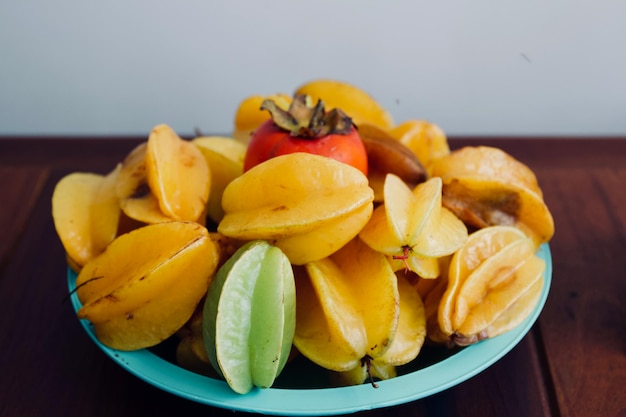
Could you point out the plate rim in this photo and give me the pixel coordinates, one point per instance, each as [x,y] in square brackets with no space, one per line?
[409,387]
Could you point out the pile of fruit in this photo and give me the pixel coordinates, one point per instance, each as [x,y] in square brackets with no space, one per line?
[319,229]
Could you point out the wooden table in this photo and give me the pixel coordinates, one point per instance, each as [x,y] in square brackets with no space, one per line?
[572,363]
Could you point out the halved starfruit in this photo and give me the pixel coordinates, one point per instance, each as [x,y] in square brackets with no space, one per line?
[147,283]
[494,282]
[485,186]
[307,205]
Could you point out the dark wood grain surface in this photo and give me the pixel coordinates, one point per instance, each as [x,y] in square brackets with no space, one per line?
[572,363]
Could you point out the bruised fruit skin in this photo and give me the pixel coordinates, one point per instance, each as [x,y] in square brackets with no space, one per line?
[485,186]
[426,140]
[386,155]
[306,128]
[249,317]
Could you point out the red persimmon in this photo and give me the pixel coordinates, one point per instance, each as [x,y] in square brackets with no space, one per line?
[306,128]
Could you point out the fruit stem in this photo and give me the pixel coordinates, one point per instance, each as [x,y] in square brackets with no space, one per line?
[367,362]
[406,251]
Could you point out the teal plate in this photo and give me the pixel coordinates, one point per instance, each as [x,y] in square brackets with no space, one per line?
[433,377]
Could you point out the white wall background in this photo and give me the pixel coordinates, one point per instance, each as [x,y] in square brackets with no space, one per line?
[482,67]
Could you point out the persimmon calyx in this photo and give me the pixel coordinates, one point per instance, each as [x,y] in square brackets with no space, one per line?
[308,121]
